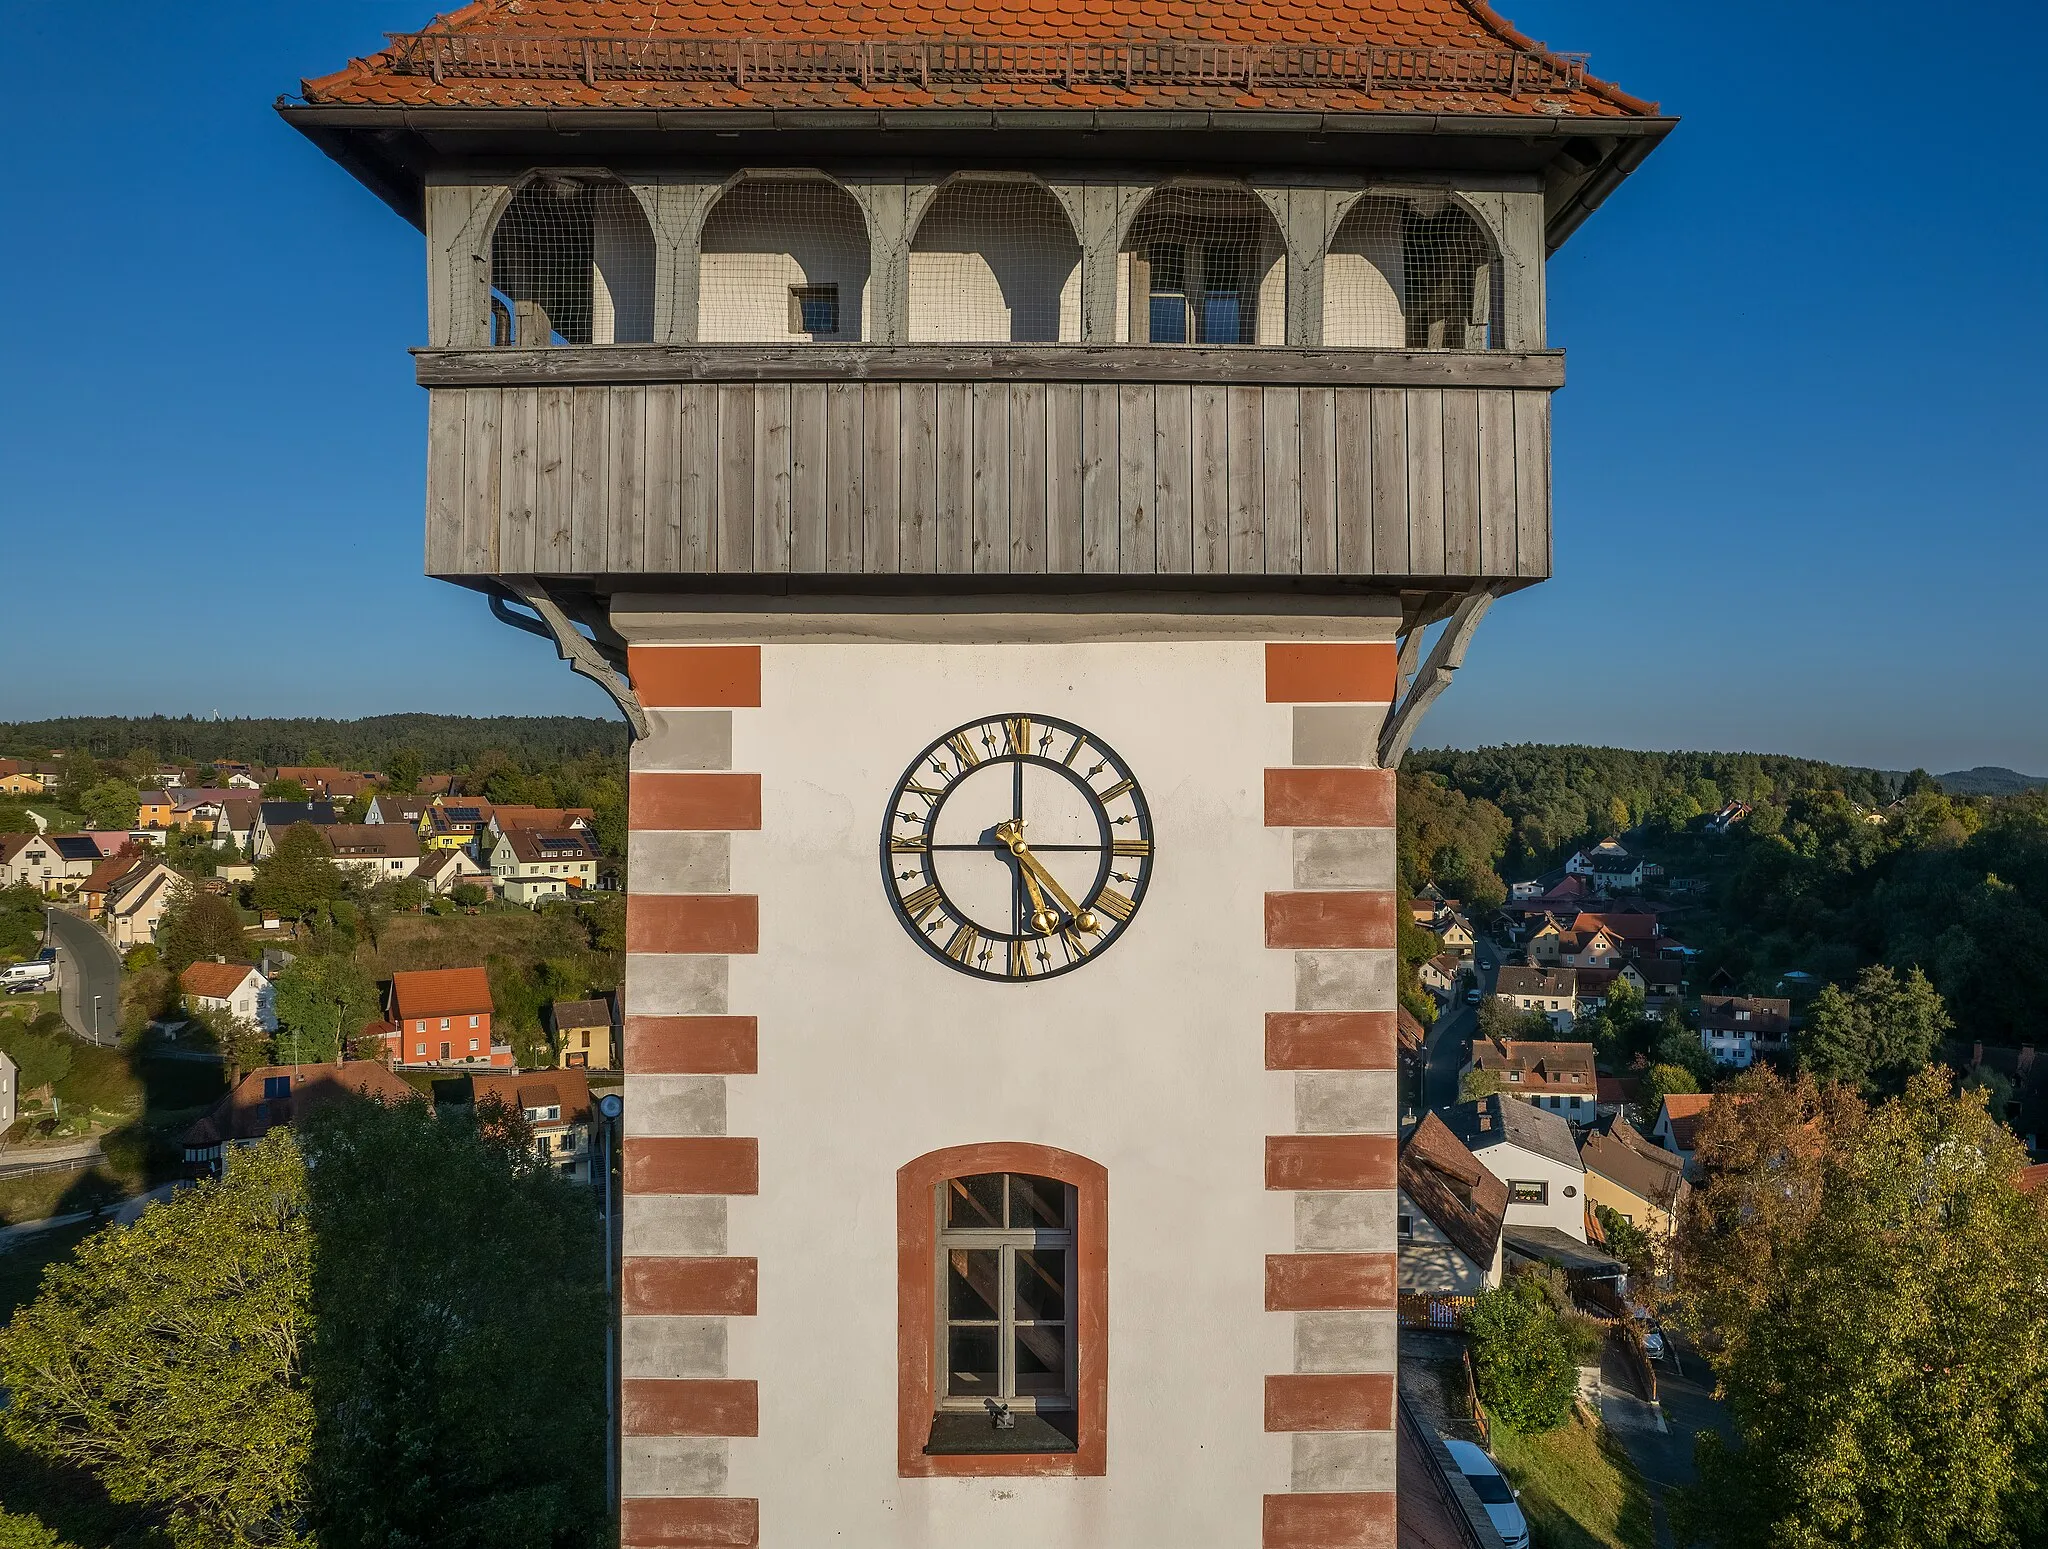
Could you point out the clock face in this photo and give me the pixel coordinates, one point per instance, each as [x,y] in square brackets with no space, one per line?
[1017,847]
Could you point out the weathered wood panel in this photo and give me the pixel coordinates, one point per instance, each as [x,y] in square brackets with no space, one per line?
[990,478]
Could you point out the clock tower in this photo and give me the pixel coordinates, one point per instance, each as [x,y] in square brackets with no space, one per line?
[1022,473]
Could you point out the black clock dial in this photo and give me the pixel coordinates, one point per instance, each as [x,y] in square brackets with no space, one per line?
[1017,847]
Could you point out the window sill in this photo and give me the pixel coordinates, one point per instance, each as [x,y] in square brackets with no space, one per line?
[972,1435]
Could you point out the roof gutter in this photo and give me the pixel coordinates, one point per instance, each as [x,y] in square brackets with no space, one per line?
[1631,154]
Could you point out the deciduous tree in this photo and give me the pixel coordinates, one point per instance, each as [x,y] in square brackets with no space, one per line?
[300,876]
[166,1357]
[1868,1282]
[322,1001]
[110,804]
[1876,1034]
[1521,1357]
[197,928]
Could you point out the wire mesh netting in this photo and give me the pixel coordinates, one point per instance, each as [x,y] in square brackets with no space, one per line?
[1202,266]
[572,262]
[995,261]
[1414,272]
[783,260]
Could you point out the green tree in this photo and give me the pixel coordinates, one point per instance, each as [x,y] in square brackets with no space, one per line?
[110,804]
[24,1532]
[285,790]
[197,928]
[1521,1358]
[402,771]
[242,1044]
[1874,1035]
[448,1251]
[322,1002]
[1630,1243]
[1475,1085]
[165,1358]
[1870,1279]
[300,878]
[1660,1081]
[40,1058]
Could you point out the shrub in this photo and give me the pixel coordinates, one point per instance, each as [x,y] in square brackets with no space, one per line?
[1521,1357]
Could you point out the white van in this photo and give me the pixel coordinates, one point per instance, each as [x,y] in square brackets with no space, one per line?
[20,975]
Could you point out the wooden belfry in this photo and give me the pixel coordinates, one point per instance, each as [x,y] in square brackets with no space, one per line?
[1003,463]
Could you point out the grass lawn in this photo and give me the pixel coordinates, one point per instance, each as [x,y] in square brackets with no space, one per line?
[22,1261]
[1579,1490]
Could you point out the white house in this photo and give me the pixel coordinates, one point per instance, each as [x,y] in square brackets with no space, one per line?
[1552,991]
[530,867]
[136,903]
[1451,1210]
[236,989]
[9,1084]
[377,852]
[1531,1150]
[445,870]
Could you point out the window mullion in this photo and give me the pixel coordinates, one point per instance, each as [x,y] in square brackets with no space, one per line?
[1006,1324]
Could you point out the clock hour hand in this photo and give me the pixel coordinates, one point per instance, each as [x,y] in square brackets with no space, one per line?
[1012,835]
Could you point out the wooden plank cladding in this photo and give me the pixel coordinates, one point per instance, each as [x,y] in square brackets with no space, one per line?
[1158,478]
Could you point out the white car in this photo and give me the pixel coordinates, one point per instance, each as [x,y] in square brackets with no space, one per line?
[1494,1492]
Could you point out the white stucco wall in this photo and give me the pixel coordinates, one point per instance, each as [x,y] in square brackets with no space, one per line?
[1432,1264]
[1364,283]
[1567,1212]
[1148,1061]
[766,235]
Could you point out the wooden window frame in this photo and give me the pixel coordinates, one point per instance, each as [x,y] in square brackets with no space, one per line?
[917,1312]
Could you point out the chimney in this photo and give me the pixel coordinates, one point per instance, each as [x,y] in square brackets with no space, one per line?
[219,957]
[1976,1055]
[2026,1062]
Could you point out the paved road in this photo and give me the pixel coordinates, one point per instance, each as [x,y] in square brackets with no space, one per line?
[1450,1039]
[89,975]
[1659,1437]
[17,1158]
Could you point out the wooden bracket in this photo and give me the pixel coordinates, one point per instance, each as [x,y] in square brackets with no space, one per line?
[1424,685]
[591,658]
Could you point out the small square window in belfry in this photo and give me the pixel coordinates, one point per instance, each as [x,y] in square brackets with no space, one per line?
[814,309]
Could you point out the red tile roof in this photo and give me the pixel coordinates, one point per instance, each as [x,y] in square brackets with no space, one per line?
[440,992]
[1444,56]
[216,981]
[247,1114]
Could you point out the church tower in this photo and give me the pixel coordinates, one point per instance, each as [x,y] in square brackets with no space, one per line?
[1022,470]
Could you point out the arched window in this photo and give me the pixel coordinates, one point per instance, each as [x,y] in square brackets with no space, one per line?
[995,261]
[572,262]
[1003,1314]
[1415,272]
[782,261]
[1202,266]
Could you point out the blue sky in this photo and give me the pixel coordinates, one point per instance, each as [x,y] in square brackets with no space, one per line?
[1799,463]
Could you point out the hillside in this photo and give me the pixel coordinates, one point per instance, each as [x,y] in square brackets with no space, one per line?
[1989,780]
[440,741]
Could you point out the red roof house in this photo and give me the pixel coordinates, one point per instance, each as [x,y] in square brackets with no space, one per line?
[442,1016]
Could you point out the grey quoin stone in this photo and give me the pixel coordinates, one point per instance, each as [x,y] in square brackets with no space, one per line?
[1338,734]
[674,1226]
[1344,1221]
[670,1349]
[1344,981]
[685,739]
[1346,1102]
[675,984]
[675,1105]
[1326,858]
[664,860]
[1345,1341]
[1343,1460]
[672,1465]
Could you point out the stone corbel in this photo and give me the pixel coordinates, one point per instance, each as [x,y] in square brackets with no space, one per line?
[1434,676]
[601,660]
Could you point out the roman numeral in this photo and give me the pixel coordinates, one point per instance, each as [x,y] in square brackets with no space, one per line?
[963,750]
[1020,960]
[1017,731]
[921,903]
[1131,847]
[1074,752]
[1115,905]
[1077,944]
[909,844]
[964,941]
[923,790]
[1117,790]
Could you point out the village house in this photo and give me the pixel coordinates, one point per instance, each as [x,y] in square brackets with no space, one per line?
[542,820]
[1735,1029]
[231,989]
[1678,1123]
[1622,1095]
[380,852]
[1555,1076]
[1440,974]
[1552,991]
[281,1094]
[1663,981]
[1451,1212]
[327,783]
[1585,863]
[1641,1182]
[236,824]
[197,808]
[1595,948]
[583,1034]
[1594,984]
[274,818]
[530,868]
[445,870]
[19,779]
[1456,932]
[157,810]
[27,860]
[442,1016]
[454,825]
[387,808]
[137,901]
[1544,937]
[1533,1153]
[556,1106]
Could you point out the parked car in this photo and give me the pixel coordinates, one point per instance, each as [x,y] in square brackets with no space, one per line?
[1653,1343]
[22,975]
[1472,996]
[1493,1490]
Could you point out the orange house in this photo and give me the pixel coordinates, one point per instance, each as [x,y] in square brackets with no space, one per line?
[442,1016]
[158,809]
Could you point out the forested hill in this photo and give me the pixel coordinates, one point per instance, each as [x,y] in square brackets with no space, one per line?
[439,741]
[1835,869]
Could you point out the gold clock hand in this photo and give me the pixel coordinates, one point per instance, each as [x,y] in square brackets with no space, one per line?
[1010,833]
[1043,920]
